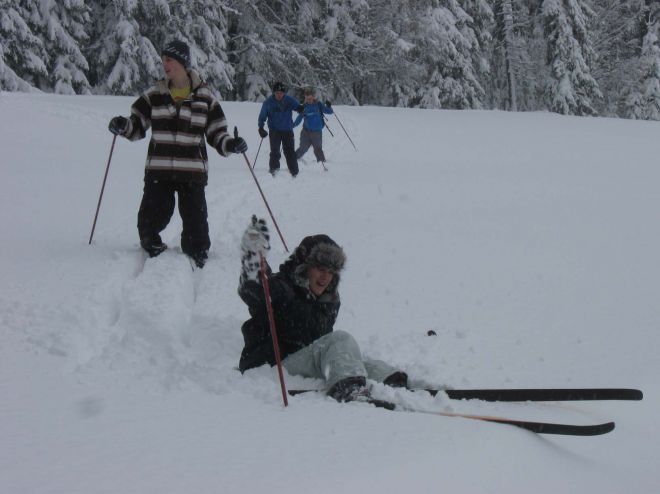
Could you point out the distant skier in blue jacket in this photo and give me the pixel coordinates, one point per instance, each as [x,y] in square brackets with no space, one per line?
[312,131]
[277,110]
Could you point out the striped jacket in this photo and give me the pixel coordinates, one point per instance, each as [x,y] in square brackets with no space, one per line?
[177,149]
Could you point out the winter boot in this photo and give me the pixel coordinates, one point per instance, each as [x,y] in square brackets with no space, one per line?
[350,389]
[397,380]
[199,258]
[154,248]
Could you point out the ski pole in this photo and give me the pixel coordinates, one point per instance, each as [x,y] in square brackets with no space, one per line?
[342,126]
[254,163]
[98,206]
[273,329]
[325,120]
[247,161]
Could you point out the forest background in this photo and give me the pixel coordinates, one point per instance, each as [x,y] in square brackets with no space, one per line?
[576,57]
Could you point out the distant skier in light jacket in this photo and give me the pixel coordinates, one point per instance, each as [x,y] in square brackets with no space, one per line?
[305,300]
[277,111]
[313,124]
[183,115]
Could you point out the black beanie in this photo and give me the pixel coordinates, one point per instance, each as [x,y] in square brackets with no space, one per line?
[179,51]
[279,86]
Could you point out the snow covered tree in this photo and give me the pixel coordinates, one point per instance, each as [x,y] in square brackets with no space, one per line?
[617,40]
[61,25]
[204,25]
[126,61]
[445,42]
[572,90]
[260,48]
[24,61]
[644,103]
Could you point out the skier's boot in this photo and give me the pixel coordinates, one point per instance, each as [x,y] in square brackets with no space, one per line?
[397,380]
[154,248]
[350,389]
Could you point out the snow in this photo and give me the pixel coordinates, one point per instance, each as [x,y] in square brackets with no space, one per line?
[527,241]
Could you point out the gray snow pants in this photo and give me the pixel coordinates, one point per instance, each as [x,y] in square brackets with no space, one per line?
[334,357]
[314,139]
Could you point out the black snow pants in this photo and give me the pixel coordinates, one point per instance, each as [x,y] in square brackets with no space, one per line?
[157,208]
[283,138]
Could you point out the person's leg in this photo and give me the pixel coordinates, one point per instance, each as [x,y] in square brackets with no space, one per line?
[288,147]
[155,212]
[316,139]
[195,239]
[275,138]
[333,357]
[304,143]
[383,372]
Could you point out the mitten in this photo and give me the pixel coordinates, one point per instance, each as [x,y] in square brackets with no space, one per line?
[255,243]
[118,125]
[237,145]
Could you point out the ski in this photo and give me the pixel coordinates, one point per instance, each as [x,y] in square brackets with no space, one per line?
[539,427]
[528,394]
[536,427]
[543,394]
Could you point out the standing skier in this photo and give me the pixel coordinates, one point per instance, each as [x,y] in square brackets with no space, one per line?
[183,115]
[305,303]
[312,131]
[277,110]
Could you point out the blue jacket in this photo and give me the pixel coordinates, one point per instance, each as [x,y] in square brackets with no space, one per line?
[278,113]
[313,116]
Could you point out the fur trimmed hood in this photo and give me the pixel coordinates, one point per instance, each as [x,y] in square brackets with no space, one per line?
[315,250]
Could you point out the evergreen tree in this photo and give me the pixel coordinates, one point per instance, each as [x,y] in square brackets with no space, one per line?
[126,61]
[446,43]
[644,103]
[23,57]
[259,48]
[204,25]
[572,90]
[62,28]
[617,40]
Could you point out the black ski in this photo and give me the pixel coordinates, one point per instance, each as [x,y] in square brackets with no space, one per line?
[548,394]
[537,427]
[530,394]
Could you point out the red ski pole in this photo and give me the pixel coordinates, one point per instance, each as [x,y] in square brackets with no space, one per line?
[98,206]
[273,330]
[247,161]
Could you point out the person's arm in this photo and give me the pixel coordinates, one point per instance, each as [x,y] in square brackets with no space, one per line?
[263,114]
[254,244]
[140,120]
[298,119]
[216,128]
[327,108]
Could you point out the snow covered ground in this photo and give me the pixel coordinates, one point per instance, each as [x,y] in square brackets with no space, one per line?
[528,242]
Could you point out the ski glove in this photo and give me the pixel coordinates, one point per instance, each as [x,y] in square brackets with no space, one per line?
[300,108]
[328,104]
[118,125]
[255,242]
[237,145]
[262,132]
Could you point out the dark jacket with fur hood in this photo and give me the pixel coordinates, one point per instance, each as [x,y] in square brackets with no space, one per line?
[300,316]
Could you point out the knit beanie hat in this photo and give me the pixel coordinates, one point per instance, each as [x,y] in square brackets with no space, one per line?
[179,51]
[279,86]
